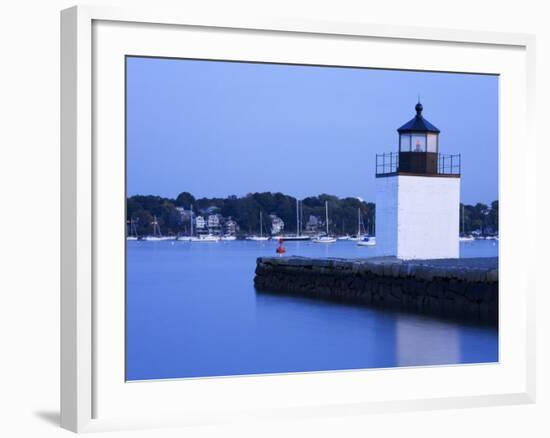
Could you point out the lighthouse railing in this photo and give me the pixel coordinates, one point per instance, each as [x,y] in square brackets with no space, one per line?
[449,164]
[387,164]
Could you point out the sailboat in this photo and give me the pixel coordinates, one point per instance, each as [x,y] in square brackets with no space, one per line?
[298,237]
[206,238]
[358,236]
[367,241]
[363,240]
[328,238]
[157,235]
[345,236]
[463,236]
[133,230]
[261,237]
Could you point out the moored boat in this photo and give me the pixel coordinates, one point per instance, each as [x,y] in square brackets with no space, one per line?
[367,241]
[358,237]
[327,238]
[324,239]
[206,238]
[158,238]
[133,230]
[261,237]
[300,238]
[157,235]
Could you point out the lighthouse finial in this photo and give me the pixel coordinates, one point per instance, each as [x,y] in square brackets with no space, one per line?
[419,108]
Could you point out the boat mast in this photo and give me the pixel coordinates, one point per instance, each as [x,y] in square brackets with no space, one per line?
[133,228]
[261,231]
[358,221]
[191,220]
[297,218]
[326,214]
[301,216]
[156,228]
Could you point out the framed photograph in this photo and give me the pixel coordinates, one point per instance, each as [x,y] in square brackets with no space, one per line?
[267,218]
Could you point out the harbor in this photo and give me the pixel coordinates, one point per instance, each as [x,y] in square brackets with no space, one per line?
[189,295]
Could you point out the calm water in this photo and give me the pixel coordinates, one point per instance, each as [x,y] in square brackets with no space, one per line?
[192,311]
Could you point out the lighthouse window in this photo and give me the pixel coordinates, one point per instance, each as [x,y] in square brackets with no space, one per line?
[432,143]
[405,143]
[418,143]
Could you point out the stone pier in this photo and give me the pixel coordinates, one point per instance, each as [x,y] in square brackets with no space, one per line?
[465,289]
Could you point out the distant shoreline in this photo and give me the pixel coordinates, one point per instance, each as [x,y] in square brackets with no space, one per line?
[270,213]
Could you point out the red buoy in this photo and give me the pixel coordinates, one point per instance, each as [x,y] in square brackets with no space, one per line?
[280,249]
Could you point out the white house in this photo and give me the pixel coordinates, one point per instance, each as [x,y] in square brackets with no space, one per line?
[312,225]
[200,223]
[277,224]
[213,221]
[418,196]
[231,227]
[185,215]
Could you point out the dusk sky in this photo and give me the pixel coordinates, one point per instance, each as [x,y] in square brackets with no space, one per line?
[222,128]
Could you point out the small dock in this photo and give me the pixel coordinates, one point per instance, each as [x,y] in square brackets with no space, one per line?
[464,289]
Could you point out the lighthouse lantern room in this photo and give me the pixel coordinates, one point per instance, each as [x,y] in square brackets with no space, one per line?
[418,195]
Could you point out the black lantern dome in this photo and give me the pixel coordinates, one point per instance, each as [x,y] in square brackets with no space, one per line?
[418,145]
[418,123]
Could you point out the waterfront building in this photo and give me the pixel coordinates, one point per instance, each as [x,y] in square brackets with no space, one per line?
[231,227]
[418,195]
[277,224]
[185,215]
[213,221]
[312,224]
[200,223]
[214,224]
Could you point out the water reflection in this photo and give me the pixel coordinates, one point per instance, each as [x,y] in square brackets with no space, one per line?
[192,311]
[423,341]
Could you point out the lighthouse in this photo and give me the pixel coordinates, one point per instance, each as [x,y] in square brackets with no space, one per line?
[418,195]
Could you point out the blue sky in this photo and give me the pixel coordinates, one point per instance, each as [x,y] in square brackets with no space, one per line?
[222,128]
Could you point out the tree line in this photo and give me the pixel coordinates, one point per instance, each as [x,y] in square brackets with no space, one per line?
[480,218]
[246,210]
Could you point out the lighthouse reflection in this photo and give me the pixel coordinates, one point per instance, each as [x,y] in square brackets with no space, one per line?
[304,334]
[423,341]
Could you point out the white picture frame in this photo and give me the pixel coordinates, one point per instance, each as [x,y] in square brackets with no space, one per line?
[91,383]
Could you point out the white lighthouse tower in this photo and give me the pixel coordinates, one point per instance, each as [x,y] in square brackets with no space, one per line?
[418,196]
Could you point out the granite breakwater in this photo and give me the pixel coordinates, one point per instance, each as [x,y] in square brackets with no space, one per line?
[465,289]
